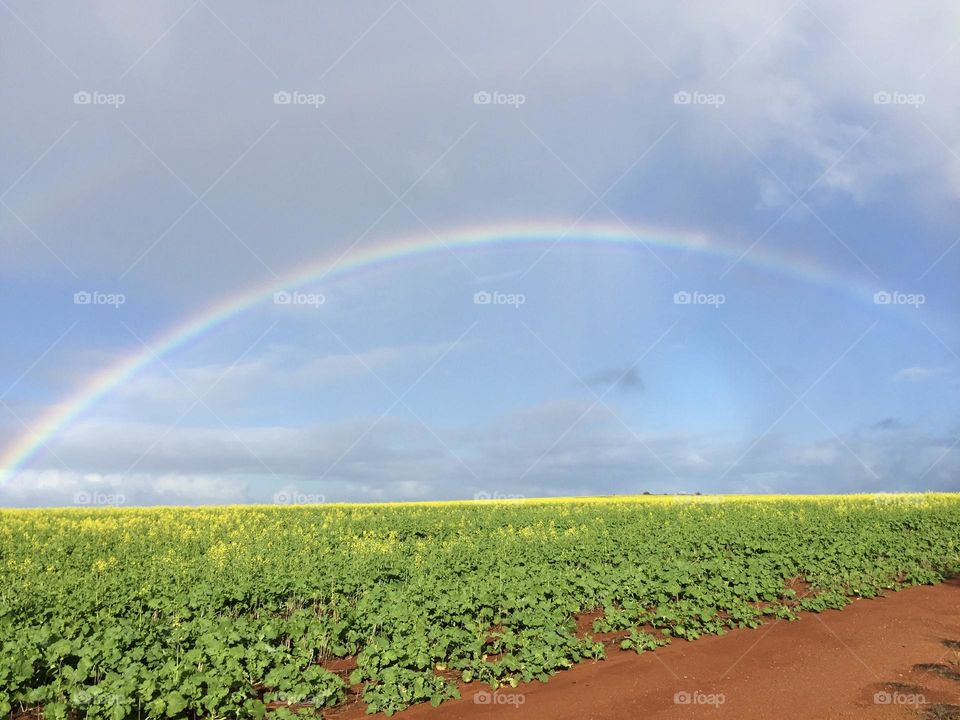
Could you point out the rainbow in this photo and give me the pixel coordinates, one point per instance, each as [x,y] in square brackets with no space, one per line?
[543,234]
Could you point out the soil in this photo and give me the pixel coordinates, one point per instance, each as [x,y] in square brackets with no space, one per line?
[895,656]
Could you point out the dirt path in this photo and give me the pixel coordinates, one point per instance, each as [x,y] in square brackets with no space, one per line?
[855,663]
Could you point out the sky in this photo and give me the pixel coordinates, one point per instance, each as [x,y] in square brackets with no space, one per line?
[405,250]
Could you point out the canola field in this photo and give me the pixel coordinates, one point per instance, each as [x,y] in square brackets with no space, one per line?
[252,611]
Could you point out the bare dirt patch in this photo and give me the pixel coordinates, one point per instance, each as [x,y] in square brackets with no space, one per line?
[826,666]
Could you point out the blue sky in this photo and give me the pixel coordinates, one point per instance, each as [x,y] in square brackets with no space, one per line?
[779,162]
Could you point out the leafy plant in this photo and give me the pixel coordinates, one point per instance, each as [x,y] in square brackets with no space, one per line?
[254,611]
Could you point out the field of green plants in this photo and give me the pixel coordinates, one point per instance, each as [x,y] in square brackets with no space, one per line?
[247,611]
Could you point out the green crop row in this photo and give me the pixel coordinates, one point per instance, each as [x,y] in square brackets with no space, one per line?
[243,612]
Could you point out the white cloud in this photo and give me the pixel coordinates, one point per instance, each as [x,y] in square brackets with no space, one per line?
[282,368]
[551,449]
[66,487]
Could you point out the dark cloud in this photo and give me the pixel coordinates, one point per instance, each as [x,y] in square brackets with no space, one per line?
[624,379]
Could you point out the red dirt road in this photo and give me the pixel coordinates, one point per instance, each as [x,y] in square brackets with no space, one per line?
[854,663]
